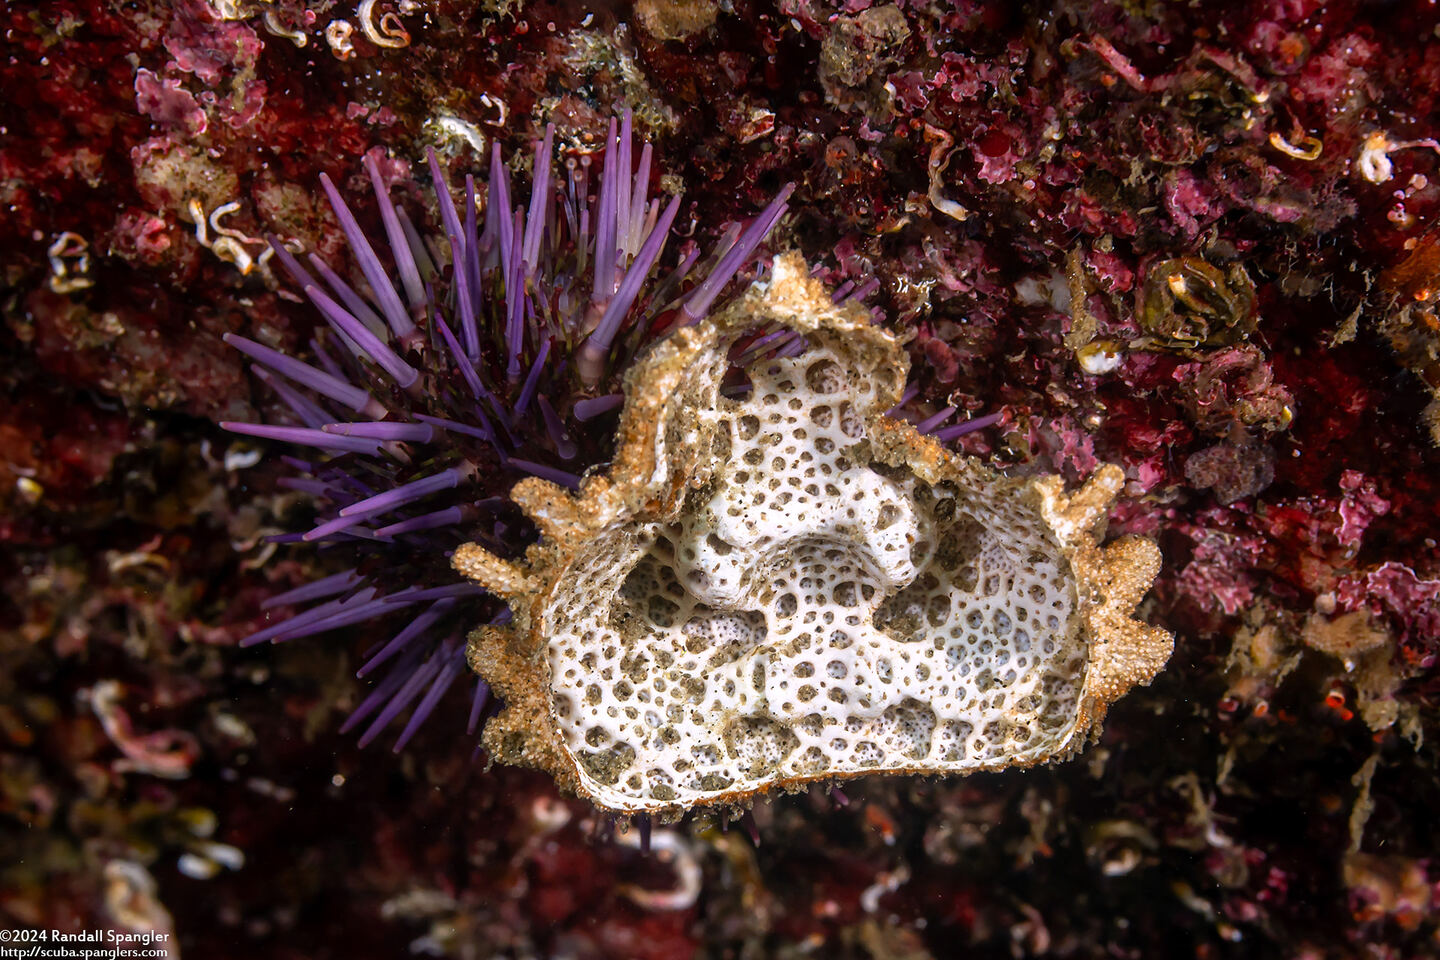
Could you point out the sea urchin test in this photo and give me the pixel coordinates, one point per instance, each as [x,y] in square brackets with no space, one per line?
[776,584]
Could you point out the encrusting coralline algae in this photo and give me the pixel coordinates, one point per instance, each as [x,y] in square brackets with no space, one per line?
[776,584]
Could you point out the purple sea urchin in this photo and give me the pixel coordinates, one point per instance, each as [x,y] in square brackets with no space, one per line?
[499,343]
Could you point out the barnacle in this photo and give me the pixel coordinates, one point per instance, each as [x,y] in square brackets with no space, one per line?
[776,584]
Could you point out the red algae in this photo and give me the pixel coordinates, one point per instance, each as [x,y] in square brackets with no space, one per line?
[1010,178]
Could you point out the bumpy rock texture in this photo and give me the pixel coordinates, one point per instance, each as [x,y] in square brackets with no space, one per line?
[788,586]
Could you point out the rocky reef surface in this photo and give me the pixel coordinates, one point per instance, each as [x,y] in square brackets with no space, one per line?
[1197,241]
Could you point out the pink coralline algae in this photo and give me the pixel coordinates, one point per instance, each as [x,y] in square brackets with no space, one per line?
[168,104]
[1196,241]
